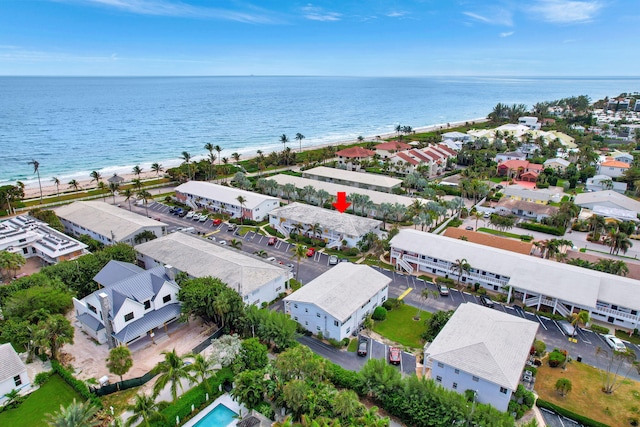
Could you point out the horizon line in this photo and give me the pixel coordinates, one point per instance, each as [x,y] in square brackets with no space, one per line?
[327,75]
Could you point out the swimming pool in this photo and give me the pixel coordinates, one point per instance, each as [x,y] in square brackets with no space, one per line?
[220,416]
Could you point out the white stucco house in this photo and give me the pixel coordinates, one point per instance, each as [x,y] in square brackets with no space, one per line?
[106,223]
[335,227]
[134,301]
[336,302]
[510,155]
[13,372]
[612,168]
[224,199]
[487,358]
[254,278]
[604,182]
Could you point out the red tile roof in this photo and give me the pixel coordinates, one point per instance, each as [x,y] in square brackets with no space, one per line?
[408,159]
[447,149]
[514,164]
[392,145]
[615,164]
[355,152]
[420,155]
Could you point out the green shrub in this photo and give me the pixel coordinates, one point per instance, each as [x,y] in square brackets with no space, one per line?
[388,305]
[534,226]
[587,422]
[556,358]
[533,370]
[335,343]
[526,237]
[444,281]
[342,378]
[599,329]
[392,303]
[42,378]
[380,313]
[265,409]
[76,384]
[427,279]
[539,347]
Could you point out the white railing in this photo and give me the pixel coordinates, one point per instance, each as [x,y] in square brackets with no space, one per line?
[405,265]
[560,308]
[617,313]
[531,301]
[333,244]
[487,279]
[281,229]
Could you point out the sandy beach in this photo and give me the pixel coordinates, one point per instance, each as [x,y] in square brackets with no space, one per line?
[32,190]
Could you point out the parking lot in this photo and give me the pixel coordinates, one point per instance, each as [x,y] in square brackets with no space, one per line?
[549,331]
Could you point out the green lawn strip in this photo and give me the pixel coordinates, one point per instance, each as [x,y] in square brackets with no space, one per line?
[353,345]
[499,233]
[120,399]
[245,229]
[609,253]
[624,335]
[399,326]
[46,400]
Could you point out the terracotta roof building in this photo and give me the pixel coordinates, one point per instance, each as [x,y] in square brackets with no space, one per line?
[490,240]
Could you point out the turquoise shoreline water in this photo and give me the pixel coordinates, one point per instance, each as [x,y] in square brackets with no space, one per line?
[75,125]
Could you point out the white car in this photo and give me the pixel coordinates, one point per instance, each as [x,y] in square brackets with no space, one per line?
[189,215]
[204,217]
[615,343]
[333,260]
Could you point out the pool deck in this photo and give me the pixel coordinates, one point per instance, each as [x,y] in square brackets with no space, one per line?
[227,401]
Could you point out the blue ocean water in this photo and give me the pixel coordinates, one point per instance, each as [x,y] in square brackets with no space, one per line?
[73,125]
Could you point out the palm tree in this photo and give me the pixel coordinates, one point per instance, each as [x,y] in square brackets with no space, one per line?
[187,159]
[242,200]
[56,181]
[146,408]
[113,188]
[580,318]
[236,244]
[95,176]
[299,252]
[261,253]
[235,157]
[210,148]
[74,415]
[218,150]
[460,267]
[137,184]
[137,170]
[157,168]
[119,361]
[12,398]
[284,139]
[36,169]
[146,196]
[74,184]
[102,187]
[203,368]
[128,194]
[172,371]
[299,138]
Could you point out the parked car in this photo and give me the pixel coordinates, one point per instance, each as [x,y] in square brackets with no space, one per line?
[444,290]
[487,215]
[232,227]
[171,210]
[190,215]
[204,217]
[344,260]
[177,211]
[272,241]
[567,328]
[290,266]
[615,343]
[394,355]
[333,260]
[469,227]
[311,252]
[195,217]
[363,347]
[217,221]
[222,242]
[271,259]
[486,301]
[183,213]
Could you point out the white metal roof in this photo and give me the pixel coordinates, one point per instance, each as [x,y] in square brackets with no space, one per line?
[342,290]
[607,197]
[554,279]
[223,194]
[343,223]
[358,177]
[200,257]
[495,348]
[106,219]
[377,197]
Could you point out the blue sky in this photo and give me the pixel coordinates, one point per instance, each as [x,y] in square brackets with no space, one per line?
[341,37]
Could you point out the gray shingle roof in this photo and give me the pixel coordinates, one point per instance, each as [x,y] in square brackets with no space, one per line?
[342,290]
[495,348]
[10,363]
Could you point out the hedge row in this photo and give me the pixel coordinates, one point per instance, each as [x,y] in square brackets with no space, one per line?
[196,397]
[587,422]
[76,384]
[534,226]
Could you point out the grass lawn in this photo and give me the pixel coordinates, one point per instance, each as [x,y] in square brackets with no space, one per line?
[400,327]
[498,233]
[119,400]
[624,335]
[353,345]
[46,400]
[586,398]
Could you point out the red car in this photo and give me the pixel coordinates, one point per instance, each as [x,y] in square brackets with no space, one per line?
[311,252]
[217,221]
[394,355]
[272,241]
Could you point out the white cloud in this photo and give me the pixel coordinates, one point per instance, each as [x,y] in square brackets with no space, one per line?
[494,16]
[567,11]
[180,9]
[510,33]
[396,14]
[315,13]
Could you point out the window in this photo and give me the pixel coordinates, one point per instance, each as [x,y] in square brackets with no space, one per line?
[25,251]
[503,390]
[295,318]
[278,288]
[384,298]
[440,365]
[128,316]
[306,323]
[317,314]
[92,308]
[295,305]
[306,310]
[457,371]
[166,298]
[336,323]
[318,328]
[476,379]
[455,386]
[439,379]
[348,330]
[17,380]
[147,305]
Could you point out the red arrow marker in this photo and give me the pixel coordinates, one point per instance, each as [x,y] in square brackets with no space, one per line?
[341,203]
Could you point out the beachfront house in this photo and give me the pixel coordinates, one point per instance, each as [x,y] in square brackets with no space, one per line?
[13,373]
[530,121]
[254,278]
[352,157]
[224,199]
[336,302]
[499,340]
[509,155]
[30,237]
[107,223]
[530,280]
[131,304]
[334,228]
[387,149]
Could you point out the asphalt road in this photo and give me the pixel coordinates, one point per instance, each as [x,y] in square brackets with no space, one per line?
[310,268]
